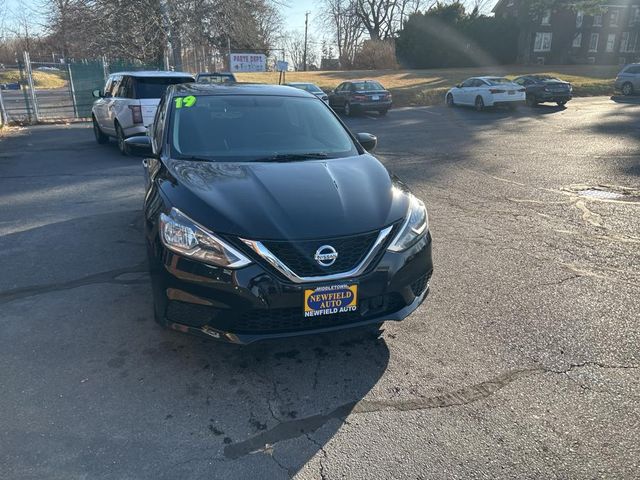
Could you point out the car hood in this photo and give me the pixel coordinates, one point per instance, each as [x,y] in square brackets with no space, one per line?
[287,200]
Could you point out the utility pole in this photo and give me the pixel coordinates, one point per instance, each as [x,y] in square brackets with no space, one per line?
[306,28]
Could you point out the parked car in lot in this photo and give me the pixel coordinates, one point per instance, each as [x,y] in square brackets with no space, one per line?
[628,80]
[216,77]
[311,88]
[128,103]
[266,217]
[482,92]
[358,96]
[10,86]
[545,88]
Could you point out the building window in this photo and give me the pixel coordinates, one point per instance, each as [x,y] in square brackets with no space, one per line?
[624,41]
[593,43]
[577,40]
[597,20]
[546,18]
[614,17]
[611,41]
[543,42]
[579,19]
[635,16]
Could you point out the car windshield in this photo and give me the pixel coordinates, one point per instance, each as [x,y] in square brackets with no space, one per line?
[367,86]
[154,87]
[309,87]
[544,77]
[217,78]
[256,127]
[497,81]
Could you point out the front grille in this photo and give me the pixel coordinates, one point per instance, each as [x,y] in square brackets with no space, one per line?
[298,255]
[282,320]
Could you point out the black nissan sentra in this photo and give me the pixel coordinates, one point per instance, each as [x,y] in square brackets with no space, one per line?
[265,217]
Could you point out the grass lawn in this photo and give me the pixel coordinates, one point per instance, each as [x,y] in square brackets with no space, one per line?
[41,79]
[427,87]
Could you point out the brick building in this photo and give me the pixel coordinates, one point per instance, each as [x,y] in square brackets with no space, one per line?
[566,36]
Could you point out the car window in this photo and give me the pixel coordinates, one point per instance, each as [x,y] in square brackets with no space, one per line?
[126,88]
[154,87]
[468,83]
[341,87]
[519,81]
[107,87]
[249,128]
[115,85]
[367,86]
[497,81]
[633,70]
[216,79]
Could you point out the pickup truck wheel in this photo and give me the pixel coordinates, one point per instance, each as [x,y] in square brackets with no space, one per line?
[101,138]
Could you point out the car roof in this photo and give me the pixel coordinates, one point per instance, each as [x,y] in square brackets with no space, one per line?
[154,73]
[205,74]
[238,89]
[300,83]
[489,77]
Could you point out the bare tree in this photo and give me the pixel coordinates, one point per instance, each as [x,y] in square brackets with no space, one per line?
[341,18]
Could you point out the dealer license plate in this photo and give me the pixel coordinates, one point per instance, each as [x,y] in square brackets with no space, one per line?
[330,300]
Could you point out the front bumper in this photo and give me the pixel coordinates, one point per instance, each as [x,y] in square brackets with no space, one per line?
[554,97]
[132,131]
[256,303]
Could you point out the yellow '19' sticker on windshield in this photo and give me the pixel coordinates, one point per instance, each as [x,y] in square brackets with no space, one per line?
[188,101]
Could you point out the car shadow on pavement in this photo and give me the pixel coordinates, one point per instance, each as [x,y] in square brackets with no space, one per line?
[111,393]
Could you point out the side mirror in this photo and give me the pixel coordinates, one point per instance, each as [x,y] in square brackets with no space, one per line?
[97,94]
[140,144]
[368,141]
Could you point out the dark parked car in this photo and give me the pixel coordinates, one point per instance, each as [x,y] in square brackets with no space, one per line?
[266,217]
[216,77]
[545,88]
[360,96]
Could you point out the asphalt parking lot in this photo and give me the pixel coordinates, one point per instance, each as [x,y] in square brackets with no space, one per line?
[523,362]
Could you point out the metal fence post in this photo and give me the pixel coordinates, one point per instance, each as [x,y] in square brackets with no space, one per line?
[4,119]
[23,87]
[72,91]
[27,61]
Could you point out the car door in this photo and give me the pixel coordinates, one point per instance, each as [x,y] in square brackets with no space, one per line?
[464,92]
[111,103]
[100,105]
[334,97]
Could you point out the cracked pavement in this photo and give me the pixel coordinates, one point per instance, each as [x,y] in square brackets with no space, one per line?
[523,362]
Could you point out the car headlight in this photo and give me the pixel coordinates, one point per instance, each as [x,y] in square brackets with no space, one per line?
[182,235]
[414,227]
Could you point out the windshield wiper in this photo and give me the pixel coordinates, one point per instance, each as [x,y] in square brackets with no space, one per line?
[195,158]
[290,157]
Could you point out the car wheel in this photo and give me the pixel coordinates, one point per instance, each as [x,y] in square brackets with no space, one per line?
[120,136]
[627,89]
[450,101]
[347,109]
[531,101]
[479,103]
[101,138]
[383,112]
[561,104]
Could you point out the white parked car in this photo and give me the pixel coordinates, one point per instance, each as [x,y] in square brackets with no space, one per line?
[482,92]
[128,103]
[311,88]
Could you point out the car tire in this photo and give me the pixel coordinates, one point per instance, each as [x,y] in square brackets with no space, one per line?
[347,109]
[627,89]
[450,101]
[101,138]
[479,103]
[124,150]
[531,101]
[561,104]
